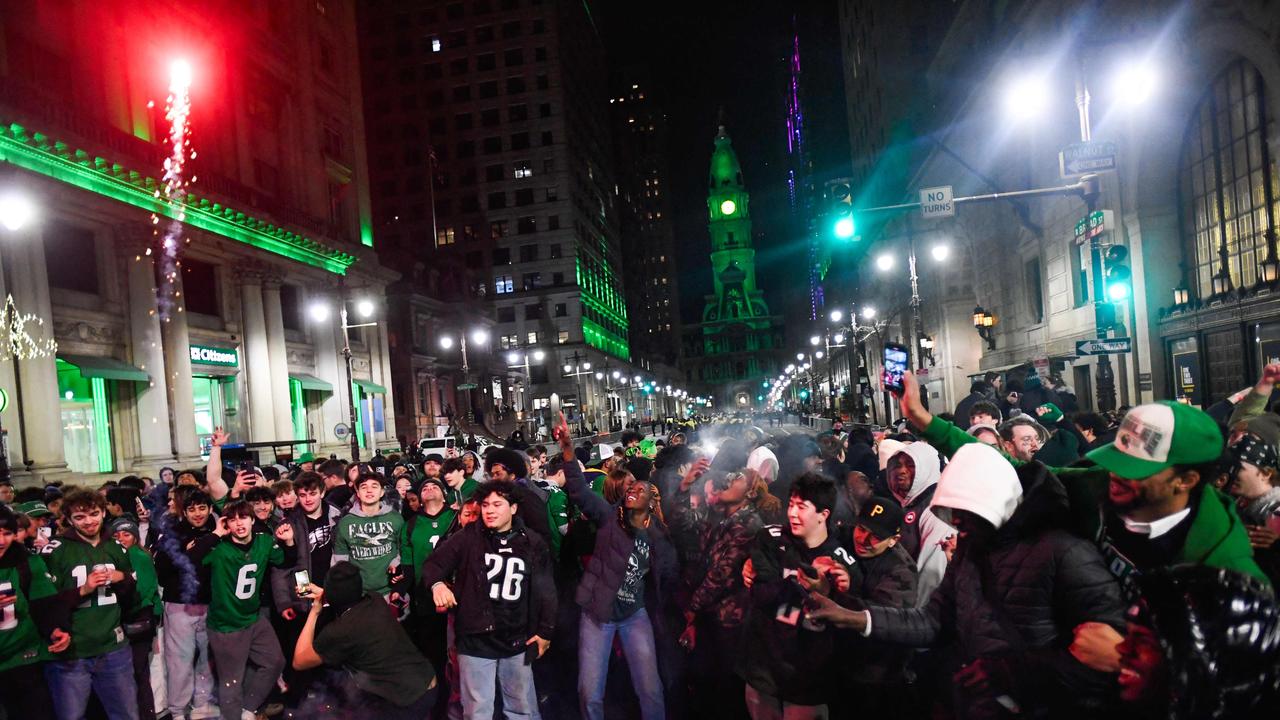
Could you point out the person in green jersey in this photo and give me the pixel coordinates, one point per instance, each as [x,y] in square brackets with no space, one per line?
[369,537]
[141,640]
[23,644]
[423,531]
[245,650]
[94,578]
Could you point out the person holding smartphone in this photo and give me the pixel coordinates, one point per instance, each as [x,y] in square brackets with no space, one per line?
[94,579]
[24,642]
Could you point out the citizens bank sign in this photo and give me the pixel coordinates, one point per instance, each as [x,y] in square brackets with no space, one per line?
[205,355]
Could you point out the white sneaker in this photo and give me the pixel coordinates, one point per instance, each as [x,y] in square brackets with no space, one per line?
[248,715]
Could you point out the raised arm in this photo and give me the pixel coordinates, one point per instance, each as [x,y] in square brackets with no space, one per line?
[1255,402]
[213,471]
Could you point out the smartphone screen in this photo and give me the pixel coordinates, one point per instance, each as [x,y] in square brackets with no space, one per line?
[895,366]
[302,581]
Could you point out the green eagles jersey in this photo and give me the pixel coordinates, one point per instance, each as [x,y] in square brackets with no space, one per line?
[557,514]
[235,577]
[96,622]
[419,539]
[20,641]
[372,543]
[148,584]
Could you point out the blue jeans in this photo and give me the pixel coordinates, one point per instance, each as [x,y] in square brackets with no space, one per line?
[476,677]
[110,675]
[595,641]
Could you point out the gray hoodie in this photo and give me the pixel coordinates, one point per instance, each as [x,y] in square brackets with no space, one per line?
[915,503]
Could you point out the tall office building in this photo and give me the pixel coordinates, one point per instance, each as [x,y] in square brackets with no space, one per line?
[492,165]
[648,234]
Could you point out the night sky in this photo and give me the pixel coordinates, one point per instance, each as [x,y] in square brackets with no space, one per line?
[709,54]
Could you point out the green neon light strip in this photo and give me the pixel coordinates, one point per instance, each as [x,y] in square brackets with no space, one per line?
[101,425]
[35,152]
[599,337]
[299,414]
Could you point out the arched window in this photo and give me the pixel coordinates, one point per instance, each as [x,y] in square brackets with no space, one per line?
[1227,179]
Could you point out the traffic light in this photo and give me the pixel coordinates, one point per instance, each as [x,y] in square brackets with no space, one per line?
[631,407]
[1119,277]
[842,211]
[804,394]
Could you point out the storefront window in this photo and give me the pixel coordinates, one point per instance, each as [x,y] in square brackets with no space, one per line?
[1186,370]
[215,406]
[86,426]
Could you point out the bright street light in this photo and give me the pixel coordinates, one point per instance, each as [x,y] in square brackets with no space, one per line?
[1026,96]
[839,338]
[617,374]
[538,355]
[799,356]
[479,336]
[446,342]
[868,312]
[818,354]
[1135,82]
[16,211]
[586,366]
[815,340]
[568,368]
[364,306]
[319,311]
[884,262]
[940,252]
[836,316]
[513,358]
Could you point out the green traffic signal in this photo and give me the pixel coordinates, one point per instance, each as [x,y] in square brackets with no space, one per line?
[804,394]
[844,228]
[1119,276]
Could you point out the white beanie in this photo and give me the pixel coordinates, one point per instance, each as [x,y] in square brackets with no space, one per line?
[978,479]
[887,448]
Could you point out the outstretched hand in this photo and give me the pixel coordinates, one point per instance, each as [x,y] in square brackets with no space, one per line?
[910,404]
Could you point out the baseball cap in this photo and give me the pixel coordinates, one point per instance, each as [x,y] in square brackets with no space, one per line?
[883,517]
[435,458]
[125,524]
[33,509]
[1159,435]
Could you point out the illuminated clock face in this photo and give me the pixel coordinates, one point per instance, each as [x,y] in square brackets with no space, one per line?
[728,207]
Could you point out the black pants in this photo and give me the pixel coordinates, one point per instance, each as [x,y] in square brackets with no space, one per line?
[23,693]
[717,691]
[141,649]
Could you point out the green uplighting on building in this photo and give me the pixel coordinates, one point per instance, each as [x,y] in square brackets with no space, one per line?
[37,153]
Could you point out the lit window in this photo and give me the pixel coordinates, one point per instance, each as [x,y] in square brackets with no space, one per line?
[523,169]
[532,338]
[444,237]
[502,284]
[435,44]
[562,337]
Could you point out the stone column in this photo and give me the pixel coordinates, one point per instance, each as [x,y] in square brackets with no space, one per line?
[177,374]
[383,365]
[257,358]
[10,419]
[278,360]
[37,377]
[152,404]
[324,335]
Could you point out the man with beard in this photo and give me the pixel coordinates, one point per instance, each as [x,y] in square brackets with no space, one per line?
[1143,500]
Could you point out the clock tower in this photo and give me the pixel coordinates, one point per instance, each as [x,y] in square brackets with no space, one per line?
[738,345]
[733,259]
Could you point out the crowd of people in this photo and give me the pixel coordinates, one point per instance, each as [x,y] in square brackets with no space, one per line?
[1009,559]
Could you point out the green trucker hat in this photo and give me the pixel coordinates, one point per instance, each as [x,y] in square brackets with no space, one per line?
[1159,435]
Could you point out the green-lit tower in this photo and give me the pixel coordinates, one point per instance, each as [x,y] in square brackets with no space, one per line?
[738,343]
[733,259]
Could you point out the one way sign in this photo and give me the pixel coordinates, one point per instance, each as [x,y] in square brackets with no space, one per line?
[1104,347]
[1086,157]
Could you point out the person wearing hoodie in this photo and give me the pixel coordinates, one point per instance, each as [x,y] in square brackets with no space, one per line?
[1035,393]
[1017,588]
[497,573]
[1202,643]
[912,476]
[507,465]
[1143,500]
[1065,444]
[979,391]
[369,536]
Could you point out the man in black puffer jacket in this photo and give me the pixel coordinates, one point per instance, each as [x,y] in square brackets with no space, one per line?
[1013,594]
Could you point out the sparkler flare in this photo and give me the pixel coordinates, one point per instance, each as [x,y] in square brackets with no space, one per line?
[174,191]
[17,342]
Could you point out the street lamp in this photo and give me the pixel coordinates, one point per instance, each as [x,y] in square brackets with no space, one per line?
[16,210]
[319,312]
[1027,96]
[479,336]
[884,262]
[837,316]
[516,361]
[1136,81]
[940,252]
[868,312]
[576,368]
[815,340]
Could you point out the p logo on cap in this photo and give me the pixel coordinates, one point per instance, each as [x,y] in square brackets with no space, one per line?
[877,509]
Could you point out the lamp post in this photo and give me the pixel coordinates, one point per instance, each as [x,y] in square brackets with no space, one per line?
[16,210]
[885,262]
[364,308]
[576,367]
[479,336]
[516,361]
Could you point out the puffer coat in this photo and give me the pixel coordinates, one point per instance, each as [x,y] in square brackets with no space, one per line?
[1015,602]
